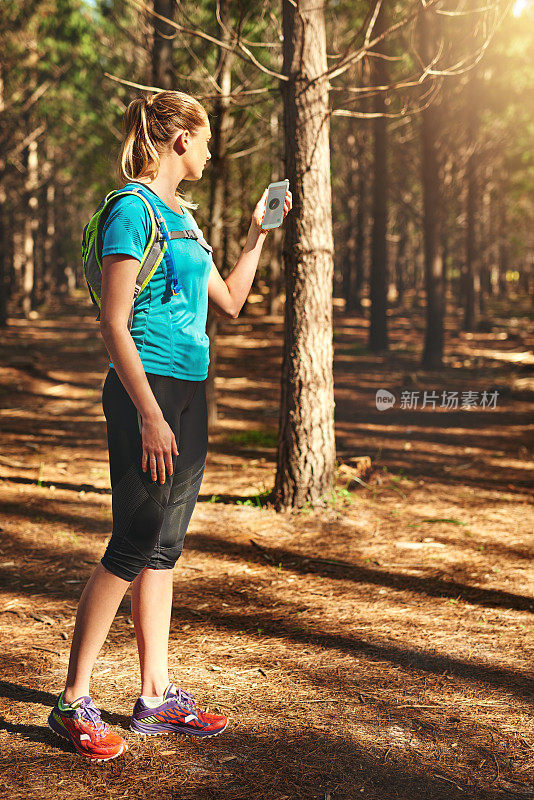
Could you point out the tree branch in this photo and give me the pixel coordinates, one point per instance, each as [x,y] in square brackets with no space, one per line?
[202,95]
[246,55]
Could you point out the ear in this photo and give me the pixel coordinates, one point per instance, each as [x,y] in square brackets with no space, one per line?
[181,142]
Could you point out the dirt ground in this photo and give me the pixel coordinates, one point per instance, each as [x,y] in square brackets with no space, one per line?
[379,646]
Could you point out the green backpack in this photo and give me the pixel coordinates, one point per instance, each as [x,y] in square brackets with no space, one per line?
[156,247]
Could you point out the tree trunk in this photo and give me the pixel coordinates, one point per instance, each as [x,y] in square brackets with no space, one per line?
[494,228]
[400,261]
[433,347]
[65,274]
[352,202]
[275,261]
[445,232]
[504,253]
[485,250]
[40,230]
[50,231]
[219,180]
[4,228]
[3,259]
[378,331]
[306,442]
[30,221]
[162,67]
[361,222]
[362,215]
[471,276]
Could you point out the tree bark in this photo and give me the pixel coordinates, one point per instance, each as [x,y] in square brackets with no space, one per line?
[362,215]
[162,67]
[50,230]
[433,347]
[378,330]
[30,222]
[503,251]
[471,273]
[275,261]
[3,259]
[352,202]
[485,250]
[306,442]
[222,126]
[400,260]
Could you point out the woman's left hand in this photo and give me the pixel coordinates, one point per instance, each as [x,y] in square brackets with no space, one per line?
[259,211]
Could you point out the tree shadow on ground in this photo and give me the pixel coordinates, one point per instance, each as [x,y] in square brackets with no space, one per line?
[300,762]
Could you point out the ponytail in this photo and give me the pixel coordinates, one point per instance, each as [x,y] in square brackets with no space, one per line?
[148,125]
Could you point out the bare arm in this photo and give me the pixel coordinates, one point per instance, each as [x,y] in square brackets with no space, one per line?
[228,295]
[118,282]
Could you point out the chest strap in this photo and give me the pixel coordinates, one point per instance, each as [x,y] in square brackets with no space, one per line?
[191,234]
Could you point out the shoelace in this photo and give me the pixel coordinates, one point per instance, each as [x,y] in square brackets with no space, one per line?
[91,713]
[186,699]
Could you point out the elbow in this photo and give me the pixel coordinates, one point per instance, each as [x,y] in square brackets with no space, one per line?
[235,309]
[109,328]
[105,328]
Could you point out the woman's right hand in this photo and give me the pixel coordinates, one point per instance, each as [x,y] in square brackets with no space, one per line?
[159,446]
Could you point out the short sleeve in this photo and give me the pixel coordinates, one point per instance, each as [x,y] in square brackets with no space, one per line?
[127,228]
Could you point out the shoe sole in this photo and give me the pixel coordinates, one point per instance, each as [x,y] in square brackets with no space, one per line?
[123,749]
[196,735]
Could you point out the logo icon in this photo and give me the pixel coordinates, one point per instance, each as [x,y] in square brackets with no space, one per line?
[384,400]
[275,202]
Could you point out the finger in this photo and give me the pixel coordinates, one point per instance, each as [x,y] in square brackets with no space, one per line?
[153,467]
[168,462]
[161,468]
[144,460]
[174,446]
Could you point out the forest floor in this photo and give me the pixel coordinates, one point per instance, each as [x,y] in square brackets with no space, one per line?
[378,647]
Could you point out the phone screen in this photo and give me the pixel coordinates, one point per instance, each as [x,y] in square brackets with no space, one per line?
[274,207]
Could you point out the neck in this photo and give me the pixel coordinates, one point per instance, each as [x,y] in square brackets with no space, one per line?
[166,182]
[164,189]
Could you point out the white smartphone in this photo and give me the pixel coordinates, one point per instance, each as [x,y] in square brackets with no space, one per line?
[274,206]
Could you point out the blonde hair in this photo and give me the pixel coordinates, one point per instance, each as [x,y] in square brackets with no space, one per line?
[148,125]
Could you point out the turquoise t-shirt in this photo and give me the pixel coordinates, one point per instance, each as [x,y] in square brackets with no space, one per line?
[169,330]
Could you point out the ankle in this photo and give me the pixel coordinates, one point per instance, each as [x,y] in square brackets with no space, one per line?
[153,688]
[72,693]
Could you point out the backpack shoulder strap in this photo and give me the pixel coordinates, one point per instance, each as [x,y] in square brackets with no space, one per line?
[105,211]
[149,258]
[151,251]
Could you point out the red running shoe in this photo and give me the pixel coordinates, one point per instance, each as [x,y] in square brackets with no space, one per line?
[177,714]
[81,724]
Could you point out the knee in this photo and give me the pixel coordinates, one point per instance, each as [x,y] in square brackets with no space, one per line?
[130,551]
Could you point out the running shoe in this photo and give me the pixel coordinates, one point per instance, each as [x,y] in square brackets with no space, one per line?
[177,714]
[81,724]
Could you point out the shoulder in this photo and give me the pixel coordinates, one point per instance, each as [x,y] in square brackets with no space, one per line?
[127,227]
[130,204]
[129,210]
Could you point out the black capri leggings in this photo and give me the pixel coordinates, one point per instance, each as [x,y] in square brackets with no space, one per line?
[150,519]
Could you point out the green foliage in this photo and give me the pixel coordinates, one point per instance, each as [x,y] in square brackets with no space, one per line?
[258,500]
[259,437]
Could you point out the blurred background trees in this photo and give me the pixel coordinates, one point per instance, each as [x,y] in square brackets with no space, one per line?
[429,162]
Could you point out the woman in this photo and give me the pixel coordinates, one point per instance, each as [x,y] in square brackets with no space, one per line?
[154,401]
